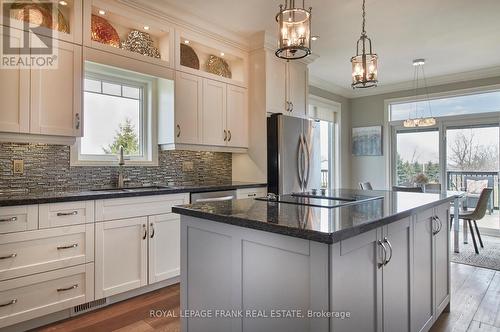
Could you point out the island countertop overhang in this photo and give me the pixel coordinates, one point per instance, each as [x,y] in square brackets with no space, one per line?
[325,225]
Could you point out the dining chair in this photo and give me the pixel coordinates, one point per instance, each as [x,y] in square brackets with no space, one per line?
[365,186]
[432,188]
[474,215]
[408,189]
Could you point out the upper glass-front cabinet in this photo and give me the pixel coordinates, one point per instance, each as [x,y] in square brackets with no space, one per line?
[51,18]
[118,29]
[202,56]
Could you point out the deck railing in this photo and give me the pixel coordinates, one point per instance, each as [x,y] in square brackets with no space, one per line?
[456,180]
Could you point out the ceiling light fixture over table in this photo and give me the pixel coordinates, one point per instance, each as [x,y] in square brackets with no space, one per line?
[294,25]
[419,120]
[364,63]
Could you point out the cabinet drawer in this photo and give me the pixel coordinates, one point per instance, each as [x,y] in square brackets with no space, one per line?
[33,296]
[251,192]
[120,208]
[65,214]
[43,250]
[18,218]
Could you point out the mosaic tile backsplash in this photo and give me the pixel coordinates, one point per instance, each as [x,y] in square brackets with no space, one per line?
[46,168]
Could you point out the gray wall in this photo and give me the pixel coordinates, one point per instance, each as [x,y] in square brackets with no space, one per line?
[47,169]
[345,130]
[369,111]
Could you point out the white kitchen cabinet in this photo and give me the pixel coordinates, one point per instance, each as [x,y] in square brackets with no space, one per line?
[297,88]
[286,86]
[275,80]
[37,251]
[396,273]
[14,93]
[422,299]
[164,247]
[56,95]
[22,299]
[213,122]
[188,108]
[237,116]
[441,258]
[18,218]
[121,256]
[356,282]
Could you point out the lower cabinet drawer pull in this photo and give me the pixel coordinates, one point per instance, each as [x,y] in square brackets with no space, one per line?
[68,288]
[8,256]
[11,219]
[71,246]
[63,214]
[14,301]
[252,195]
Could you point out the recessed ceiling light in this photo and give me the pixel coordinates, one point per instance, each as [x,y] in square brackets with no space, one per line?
[221,53]
[313,38]
[146,27]
[186,41]
[63,3]
[102,12]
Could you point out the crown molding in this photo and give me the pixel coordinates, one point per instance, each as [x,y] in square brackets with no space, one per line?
[406,85]
[329,86]
[182,19]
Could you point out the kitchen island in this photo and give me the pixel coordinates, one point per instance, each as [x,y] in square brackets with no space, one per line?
[377,263]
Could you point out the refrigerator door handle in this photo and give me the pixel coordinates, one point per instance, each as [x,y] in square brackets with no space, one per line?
[300,168]
[307,165]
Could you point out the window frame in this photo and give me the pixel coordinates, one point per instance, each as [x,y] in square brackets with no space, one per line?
[391,127]
[148,117]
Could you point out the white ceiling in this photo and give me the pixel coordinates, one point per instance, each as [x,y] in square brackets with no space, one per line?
[455,36]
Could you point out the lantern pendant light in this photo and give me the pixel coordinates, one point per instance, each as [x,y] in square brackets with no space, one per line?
[294,25]
[364,63]
[419,120]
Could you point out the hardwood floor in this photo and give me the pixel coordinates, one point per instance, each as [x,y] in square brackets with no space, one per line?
[475,307]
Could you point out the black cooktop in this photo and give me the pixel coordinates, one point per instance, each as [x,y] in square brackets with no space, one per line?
[317,199]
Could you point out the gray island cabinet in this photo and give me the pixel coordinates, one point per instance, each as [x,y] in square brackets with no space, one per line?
[258,266]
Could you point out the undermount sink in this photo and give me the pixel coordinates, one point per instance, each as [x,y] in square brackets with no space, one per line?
[131,189]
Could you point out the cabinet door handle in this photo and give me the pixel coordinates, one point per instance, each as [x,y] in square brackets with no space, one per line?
[9,256]
[178,130]
[145,232]
[64,214]
[77,121]
[385,254]
[67,288]
[390,247]
[11,219]
[71,246]
[225,135]
[440,224]
[230,136]
[435,221]
[291,107]
[152,229]
[11,302]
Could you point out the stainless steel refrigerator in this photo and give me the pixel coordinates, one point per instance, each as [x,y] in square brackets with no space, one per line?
[293,154]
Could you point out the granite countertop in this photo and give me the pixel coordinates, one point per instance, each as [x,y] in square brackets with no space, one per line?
[327,225]
[42,197]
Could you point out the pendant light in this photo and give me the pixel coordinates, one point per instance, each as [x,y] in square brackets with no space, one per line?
[364,63]
[294,25]
[419,120]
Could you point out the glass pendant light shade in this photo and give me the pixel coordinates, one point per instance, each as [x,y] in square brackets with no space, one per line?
[364,65]
[365,62]
[420,121]
[294,24]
